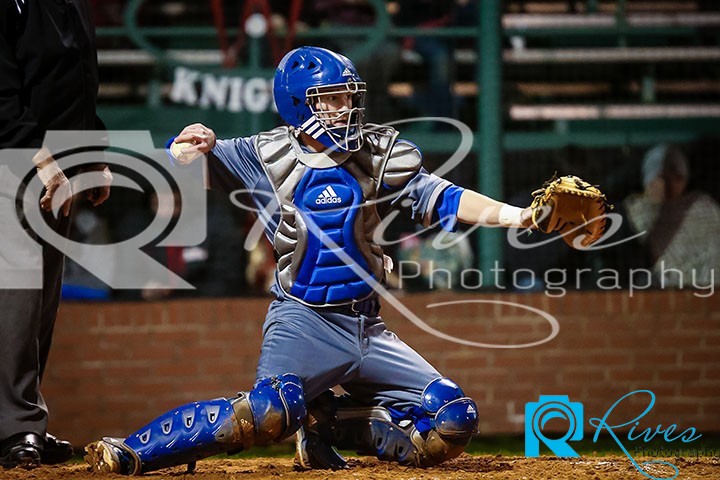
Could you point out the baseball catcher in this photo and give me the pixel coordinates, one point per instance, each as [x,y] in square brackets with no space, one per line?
[323,184]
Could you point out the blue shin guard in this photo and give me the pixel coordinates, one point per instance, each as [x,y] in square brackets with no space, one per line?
[186,434]
[271,411]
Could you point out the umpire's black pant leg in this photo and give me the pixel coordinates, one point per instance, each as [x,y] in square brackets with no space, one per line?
[53,267]
[27,320]
[21,407]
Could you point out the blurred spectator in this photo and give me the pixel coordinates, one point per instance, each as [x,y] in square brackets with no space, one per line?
[681,227]
[432,260]
[87,228]
[221,275]
[214,267]
[436,53]
[260,268]
[107,12]
[527,266]
[378,68]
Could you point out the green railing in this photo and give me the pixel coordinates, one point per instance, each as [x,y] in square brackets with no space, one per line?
[490,142]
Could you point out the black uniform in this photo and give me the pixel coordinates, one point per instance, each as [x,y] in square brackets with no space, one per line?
[48,81]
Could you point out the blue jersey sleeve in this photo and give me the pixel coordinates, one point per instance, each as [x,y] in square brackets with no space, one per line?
[431,199]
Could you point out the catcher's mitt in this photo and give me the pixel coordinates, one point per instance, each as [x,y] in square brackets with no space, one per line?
[571,206]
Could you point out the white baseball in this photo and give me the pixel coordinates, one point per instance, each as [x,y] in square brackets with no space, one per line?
[184,158]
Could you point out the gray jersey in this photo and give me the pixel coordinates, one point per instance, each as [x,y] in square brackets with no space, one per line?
[321,211]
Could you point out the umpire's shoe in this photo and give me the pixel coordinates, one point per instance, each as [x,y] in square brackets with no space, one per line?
[108,456]
[21,450]
[55,450]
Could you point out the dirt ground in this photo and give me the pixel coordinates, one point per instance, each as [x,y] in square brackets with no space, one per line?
[465,467]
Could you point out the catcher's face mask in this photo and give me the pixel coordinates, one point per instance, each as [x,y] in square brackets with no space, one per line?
[340,111]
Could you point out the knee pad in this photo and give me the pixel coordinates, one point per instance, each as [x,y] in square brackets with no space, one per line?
[453,414]
[276,406]
[457,419]
[272,410]
[439,392]
[452,418]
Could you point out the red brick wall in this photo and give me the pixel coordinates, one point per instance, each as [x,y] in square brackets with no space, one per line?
[115,366]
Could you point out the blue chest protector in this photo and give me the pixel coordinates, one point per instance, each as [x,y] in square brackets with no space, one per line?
[330,201]
[326,207]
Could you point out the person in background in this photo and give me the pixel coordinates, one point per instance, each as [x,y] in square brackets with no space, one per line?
[379,67]
[436,53]
[214,267]
[48,81]
[681,226]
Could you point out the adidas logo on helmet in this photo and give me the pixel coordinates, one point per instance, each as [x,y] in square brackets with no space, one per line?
[347,72]
[328,196]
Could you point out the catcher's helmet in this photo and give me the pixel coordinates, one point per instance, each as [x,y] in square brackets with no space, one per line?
[305,74]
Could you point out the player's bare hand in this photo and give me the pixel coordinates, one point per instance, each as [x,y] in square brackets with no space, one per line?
[58,190]
[201,137]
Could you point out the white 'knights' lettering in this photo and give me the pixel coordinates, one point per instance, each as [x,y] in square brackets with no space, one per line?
[222,92]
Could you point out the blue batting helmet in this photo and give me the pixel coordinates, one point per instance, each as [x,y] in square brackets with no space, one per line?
[307,73]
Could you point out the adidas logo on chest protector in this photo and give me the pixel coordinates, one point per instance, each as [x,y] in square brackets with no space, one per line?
[328,196]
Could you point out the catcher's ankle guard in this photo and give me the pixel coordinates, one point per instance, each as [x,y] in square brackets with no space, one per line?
[313,452]
[271,411]
[437,430]
[313,444]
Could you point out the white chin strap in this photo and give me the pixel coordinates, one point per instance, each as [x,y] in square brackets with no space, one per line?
[315,127]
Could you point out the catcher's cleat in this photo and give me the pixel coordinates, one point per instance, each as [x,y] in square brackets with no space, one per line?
[109,455]
[312,453]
